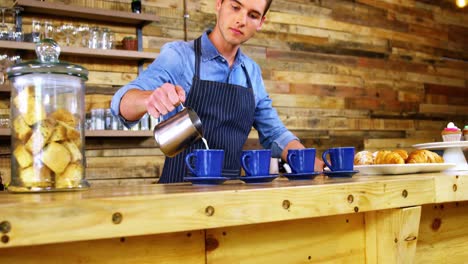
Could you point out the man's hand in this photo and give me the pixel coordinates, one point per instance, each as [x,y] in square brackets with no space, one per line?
[319,164]
[164,99]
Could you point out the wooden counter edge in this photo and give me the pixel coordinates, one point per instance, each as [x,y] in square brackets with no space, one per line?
[65,220]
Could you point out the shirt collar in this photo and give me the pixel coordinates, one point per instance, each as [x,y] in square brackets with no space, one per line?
[209,51]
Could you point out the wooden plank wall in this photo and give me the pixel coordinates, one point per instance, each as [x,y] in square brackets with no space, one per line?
[367,73]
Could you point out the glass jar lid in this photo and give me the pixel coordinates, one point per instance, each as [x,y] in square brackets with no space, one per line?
[47,51]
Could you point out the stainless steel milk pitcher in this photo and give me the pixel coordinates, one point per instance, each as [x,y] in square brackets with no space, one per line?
[178,132]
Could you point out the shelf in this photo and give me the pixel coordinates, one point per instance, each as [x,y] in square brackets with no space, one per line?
[85,52]
[95,14]
[5,132]
[118,133]
[101,133]
[5,87]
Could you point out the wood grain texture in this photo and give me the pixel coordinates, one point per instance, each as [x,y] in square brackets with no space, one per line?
[329,239]
[153,209]
[391,235]
[442,234]
[164,248]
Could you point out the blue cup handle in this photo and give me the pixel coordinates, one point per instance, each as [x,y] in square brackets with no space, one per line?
[244,164]
[290,158]
[324,158]
[188,160]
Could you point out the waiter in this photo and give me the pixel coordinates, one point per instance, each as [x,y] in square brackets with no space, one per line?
[224,87]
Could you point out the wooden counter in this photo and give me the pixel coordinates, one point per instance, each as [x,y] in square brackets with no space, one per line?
[377,219]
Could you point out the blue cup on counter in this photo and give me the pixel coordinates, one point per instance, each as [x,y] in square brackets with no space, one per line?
[256,162]
[341,159]
[301,160]
[205,162]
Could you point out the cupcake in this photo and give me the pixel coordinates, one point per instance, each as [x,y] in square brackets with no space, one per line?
[451,133]
[465,132]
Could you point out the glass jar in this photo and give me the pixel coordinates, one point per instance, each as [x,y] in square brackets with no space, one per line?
[94,41]
[47,129]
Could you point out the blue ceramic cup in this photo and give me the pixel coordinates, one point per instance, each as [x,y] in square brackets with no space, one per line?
[205,162]
[256,162]
[341,159]
[301,160]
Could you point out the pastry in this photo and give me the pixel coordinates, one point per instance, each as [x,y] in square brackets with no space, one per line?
[72,133]
[363,158]
[40,136]
[388,157]
[29,106]
[36,176]
[424,156]
[74,151]
[451,133]
[56,157]
[21,130]
[23,157]
[71,177]
[59,134]
[64,116]
[403,153]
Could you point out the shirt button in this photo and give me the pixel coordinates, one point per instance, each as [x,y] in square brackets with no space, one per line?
[223,60]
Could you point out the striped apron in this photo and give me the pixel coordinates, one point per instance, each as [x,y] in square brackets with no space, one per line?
[227,113]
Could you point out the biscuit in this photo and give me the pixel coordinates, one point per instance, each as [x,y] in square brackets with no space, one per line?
[23,157]
[36,176]
[56,157]
[65,116]
[22,131]
[74,151]
[71,177]
[40,136]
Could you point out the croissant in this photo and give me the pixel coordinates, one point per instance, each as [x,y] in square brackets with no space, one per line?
[363,158]
[402,153]
[388,157]
[424,156]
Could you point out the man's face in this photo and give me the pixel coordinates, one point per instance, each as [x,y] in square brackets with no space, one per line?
[238,20]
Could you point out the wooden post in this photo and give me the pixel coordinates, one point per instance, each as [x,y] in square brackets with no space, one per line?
[391,235]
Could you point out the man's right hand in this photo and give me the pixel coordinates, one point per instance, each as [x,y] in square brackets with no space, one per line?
[164,99]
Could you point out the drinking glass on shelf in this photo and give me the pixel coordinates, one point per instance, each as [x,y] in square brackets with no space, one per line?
[105,38]
[69,31]
[36,30]
[4,31]
[83,31]
[94,38]
[17,32]
[49,30]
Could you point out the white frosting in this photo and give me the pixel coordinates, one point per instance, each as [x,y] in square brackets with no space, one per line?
[451,125]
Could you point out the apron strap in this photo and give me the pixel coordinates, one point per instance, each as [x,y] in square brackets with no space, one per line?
[197,47]
[197,58]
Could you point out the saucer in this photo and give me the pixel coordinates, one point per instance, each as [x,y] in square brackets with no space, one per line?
[341,174]
[206,180]
[258,179]
[301,175]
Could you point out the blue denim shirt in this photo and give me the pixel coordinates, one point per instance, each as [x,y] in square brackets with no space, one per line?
[176,64]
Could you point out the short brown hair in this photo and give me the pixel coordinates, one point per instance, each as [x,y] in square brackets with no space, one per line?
[267,7]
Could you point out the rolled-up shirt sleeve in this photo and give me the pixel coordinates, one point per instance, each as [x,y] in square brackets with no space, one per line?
[271,130]
[164,69]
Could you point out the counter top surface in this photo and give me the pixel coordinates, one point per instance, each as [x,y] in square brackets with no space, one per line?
[151,209]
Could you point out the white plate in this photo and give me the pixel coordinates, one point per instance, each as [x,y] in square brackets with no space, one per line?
[442,145]
[402,168]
